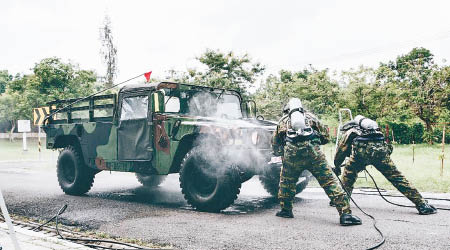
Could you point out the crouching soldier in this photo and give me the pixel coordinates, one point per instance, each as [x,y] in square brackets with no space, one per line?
[364,144]
[298,138]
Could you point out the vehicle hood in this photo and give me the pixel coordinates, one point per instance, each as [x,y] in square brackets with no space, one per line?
[230,123]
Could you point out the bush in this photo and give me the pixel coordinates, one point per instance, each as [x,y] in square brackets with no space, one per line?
[404,133]
[408,133]
[437,134]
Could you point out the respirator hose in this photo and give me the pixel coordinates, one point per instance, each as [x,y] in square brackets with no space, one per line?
[383,239]
[396,204]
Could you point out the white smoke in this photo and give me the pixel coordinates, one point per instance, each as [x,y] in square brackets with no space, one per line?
[208,104]
[228,141]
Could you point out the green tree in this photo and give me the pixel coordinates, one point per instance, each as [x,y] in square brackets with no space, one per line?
[52,79]
[4,79]
[367,96]
[226,70]
[108,51]
[423,85]
[318,92]
[9,111]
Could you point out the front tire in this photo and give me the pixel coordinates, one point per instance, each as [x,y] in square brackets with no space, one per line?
[271,180]
[74,177]
[205,186]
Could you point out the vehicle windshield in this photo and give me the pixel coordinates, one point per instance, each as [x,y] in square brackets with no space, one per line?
[204,102]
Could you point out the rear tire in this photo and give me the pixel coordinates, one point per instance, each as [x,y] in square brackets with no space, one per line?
[207,187]
[271,180]
[74,177]
[150,180]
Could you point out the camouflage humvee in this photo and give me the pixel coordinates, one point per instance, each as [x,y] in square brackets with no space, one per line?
[207,135]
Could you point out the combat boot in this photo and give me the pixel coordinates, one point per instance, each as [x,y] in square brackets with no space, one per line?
[425,209]
[285,213]
[349,220]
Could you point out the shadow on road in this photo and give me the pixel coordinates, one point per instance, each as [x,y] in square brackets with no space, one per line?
[163,197]
[248,204]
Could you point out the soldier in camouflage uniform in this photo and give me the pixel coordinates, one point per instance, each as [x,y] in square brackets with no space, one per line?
[364,144]
[303,153]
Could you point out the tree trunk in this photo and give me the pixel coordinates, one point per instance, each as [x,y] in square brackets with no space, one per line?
[13,126]
[429,131]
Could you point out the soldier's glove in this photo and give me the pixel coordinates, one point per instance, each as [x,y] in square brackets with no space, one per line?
[337,170]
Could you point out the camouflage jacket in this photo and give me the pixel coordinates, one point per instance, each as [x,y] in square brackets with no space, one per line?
[279,136]
[344,148]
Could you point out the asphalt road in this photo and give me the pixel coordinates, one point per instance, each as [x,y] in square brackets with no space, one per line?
[120,206]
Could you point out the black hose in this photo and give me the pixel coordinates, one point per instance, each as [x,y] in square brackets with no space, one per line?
[43,224]
[400,205]
[395,196]
[383,239]
[62,210]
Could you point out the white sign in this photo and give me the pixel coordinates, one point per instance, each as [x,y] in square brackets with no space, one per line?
[23,126]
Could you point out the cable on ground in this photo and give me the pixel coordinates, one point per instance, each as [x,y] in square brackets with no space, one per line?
[383,239]
[87,240]
[400,205]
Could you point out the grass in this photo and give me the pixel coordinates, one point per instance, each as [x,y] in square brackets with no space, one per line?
[423,173]
[14,151]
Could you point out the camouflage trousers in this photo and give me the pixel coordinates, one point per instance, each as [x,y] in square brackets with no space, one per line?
[308,156]
[377,154]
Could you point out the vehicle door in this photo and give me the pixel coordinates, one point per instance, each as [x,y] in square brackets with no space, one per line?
[134,130]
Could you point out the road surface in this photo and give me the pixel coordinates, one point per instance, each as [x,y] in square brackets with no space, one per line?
[119,206]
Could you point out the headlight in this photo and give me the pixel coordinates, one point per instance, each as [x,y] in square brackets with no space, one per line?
[255,137]
[227,137]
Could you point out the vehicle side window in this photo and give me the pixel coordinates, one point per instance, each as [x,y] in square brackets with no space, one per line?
[172,104]
[134,108]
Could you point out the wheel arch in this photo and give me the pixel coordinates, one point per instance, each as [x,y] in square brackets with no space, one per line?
[63,141]
[186,144]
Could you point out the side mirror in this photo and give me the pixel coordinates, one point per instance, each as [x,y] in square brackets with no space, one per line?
[157,101]
[251,109]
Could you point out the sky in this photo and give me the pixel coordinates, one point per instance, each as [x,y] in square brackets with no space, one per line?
[169,35]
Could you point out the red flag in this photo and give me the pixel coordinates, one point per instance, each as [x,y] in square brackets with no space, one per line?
[147,75]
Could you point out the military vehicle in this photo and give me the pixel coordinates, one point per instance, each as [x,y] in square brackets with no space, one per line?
[208,135]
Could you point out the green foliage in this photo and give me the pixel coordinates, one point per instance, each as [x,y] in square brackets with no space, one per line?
[400,93]
[437,134]
[403,133]
[423,85]
[8,106]
[407,133]
[52,79]
[318,92]
[4,79]
[224,70]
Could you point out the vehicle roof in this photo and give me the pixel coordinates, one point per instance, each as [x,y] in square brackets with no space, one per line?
[141,86]
[145,87]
